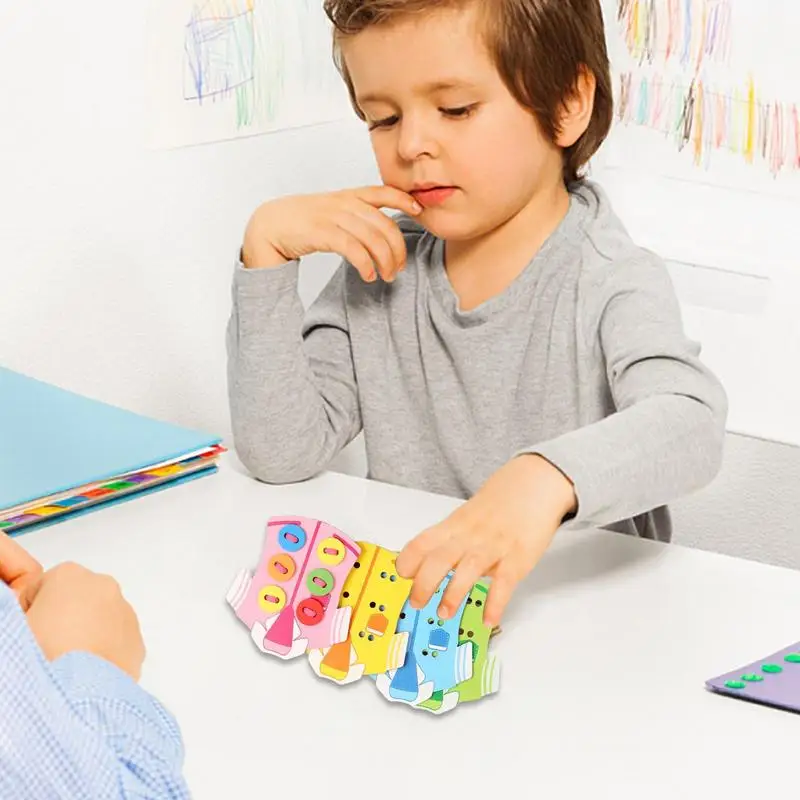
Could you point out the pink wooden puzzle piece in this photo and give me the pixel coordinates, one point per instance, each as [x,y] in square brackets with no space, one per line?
[291,603]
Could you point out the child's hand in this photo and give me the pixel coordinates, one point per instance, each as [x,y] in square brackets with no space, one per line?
[502,532]
[73,608]
[20,570]
[347,222]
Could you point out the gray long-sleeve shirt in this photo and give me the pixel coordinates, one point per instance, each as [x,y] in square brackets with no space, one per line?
[583,360]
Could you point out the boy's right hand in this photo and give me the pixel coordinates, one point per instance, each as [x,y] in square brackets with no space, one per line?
[347,222]
[72,608]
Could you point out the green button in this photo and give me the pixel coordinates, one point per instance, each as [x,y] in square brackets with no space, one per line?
[771,668]
[793,658]
[751,676]
[735,684]
[320,582]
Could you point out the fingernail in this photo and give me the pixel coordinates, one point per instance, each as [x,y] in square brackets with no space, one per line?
[444,612]
[417,207]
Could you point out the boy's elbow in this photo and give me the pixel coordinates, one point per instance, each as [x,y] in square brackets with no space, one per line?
[268,466]
[710,436]
[715,448]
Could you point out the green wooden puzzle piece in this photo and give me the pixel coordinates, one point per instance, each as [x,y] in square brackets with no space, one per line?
[485,668]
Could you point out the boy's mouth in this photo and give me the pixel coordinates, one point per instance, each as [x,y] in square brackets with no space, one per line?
[432,195]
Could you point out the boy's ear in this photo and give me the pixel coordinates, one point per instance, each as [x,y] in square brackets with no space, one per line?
[576,110]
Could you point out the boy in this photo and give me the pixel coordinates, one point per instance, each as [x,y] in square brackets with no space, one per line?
[515,346]
[73,722]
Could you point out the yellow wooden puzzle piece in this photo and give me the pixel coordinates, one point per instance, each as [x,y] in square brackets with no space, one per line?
[377,594]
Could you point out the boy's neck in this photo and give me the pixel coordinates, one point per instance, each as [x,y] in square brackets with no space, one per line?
[481,268]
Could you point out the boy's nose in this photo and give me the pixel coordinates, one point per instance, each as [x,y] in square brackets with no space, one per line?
[415,142]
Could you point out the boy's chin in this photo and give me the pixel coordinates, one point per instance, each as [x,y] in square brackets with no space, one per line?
[449,225]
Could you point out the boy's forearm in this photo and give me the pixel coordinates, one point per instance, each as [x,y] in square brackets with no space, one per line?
[665,437]
[640,458]
[290,411]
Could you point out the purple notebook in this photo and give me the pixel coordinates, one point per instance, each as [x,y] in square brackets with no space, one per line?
[772,681]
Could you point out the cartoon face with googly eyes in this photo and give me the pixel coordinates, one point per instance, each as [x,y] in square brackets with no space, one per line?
[377,594]
[291,603]
[435,660]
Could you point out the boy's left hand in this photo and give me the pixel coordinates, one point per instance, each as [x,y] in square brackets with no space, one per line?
[502,532]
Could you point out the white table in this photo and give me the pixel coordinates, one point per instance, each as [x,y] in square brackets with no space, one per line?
[605,651]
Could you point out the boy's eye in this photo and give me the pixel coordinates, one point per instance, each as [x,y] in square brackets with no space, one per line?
[383,123]
[460,111]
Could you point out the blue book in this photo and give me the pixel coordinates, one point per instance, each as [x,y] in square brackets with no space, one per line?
[62,453]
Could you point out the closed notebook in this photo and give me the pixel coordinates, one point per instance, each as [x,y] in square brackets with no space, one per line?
[62,453]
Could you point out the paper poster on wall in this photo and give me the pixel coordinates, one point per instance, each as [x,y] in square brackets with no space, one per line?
[704,155]
[223,69]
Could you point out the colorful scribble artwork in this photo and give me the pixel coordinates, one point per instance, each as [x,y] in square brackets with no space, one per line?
[219,49]
[223,69]
[703,75]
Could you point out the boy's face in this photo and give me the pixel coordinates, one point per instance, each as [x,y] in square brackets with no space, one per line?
[440,116]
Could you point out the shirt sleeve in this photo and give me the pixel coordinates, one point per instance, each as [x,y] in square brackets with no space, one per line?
[291,381]
[78,727]
[665,439]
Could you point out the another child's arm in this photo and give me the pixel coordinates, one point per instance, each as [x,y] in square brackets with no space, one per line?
[74,721]
[664,441]
[291,383]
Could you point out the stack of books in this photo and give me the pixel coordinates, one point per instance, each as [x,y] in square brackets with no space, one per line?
[63,454]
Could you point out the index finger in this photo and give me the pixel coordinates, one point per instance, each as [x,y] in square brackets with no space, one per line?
[15,561]
[389,197]
[410,558]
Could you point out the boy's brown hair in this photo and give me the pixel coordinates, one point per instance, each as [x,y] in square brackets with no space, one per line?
[539,47]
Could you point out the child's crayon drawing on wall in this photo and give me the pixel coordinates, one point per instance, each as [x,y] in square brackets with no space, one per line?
[220,57]
[222,69]
[708,79]
[690,115]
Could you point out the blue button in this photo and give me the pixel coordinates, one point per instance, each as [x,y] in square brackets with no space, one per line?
[292,538]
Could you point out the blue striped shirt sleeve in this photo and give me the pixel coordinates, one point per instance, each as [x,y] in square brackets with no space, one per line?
[79,727]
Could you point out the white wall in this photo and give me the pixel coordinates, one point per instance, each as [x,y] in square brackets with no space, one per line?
[752,509]
[115,262]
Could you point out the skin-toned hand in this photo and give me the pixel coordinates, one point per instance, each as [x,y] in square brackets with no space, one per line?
[75,609]
[501,533]
[347,222]
[19,569]
[71,608]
